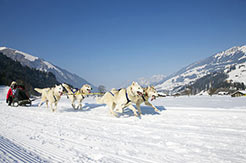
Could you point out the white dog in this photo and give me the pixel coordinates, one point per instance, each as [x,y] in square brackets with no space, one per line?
[50,95]
[118,100]
[78,95]
[149,91]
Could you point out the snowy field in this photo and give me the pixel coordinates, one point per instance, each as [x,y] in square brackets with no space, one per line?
[199,129]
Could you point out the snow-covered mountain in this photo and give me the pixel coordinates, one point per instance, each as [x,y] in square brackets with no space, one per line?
[238,73]
[222,61]
[42,65]
[146,81]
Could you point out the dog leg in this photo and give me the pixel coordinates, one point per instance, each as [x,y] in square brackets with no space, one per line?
[80,104]
[47,105]
[73,105]
[52,107]
[39,105]
[41,102]
[139,109]
[119,108]
[55,107]
[149,104]
[134,110]
[111,108]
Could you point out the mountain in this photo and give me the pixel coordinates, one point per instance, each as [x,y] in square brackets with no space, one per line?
[146,81]
[63,76]
[11,70]
[222,61]
[237,73]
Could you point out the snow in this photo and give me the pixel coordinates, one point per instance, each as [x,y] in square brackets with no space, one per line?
[2,48]
[187,129]
[50,66]
[172,82]
[27,56]
[14,52]
[239,74]
[230,51]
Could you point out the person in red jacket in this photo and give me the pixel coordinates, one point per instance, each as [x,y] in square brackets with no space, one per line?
[11,93]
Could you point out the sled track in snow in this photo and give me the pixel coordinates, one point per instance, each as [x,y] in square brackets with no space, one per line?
[10,152]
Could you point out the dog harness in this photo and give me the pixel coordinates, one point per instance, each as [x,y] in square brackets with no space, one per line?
[111,93]
[74,90]
[55,98]
[143,98]
[128,100]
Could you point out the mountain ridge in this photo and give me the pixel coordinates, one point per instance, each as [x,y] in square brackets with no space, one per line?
[218,62]
[31,61]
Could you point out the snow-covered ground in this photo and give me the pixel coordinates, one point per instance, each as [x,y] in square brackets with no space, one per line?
[195,129]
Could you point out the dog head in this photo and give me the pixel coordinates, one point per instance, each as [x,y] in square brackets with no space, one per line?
[151,92]
[59,89]
[86,88]
[136,89]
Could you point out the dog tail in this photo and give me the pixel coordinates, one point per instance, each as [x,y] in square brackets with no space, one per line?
[38,90]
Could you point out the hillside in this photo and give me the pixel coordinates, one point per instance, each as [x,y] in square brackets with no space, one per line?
[62,76]
[11,70]
[218,62]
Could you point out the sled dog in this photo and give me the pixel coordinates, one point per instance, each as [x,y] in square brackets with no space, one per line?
[149,91]
[118,100]
[78,95]
[50,96]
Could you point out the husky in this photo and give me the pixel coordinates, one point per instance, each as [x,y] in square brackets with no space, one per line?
[50,96]
[149,91]
[118,100]
[78,95]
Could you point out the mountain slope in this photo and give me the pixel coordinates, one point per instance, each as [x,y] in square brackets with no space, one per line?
[11,70]
[218,62]
[238,73]
[62,75]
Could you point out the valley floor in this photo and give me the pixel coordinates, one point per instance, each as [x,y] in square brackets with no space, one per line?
[195,129]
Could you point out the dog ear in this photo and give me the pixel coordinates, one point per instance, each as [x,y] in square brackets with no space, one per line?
[133,83]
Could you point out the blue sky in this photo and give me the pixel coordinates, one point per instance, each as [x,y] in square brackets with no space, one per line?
[111,41]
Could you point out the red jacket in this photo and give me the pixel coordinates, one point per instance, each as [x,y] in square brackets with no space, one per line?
[10,93]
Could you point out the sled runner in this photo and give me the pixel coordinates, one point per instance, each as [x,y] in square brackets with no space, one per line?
[22,103]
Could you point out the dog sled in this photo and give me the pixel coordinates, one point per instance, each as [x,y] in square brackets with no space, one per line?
[21,99]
